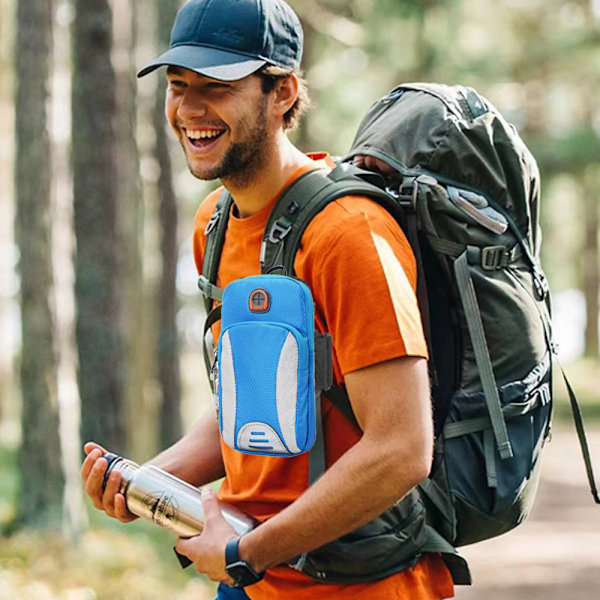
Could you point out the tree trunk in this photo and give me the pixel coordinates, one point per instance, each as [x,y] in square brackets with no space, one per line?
[42,480]
[301,136]
[591,254]
[75,519]
[168,343]
[131,216]
[97,274]
[7,206]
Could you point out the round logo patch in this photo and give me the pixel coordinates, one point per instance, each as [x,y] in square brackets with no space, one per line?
[260,301]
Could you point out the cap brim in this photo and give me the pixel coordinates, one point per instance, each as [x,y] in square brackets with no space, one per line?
[211,62]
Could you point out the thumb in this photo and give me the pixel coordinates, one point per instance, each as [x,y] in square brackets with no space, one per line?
[210,504]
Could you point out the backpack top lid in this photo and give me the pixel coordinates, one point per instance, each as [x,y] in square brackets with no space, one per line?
[459,137]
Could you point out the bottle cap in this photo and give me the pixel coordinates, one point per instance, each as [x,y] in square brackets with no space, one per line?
[111,459]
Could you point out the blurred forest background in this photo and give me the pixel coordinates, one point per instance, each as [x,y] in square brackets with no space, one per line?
[100,318]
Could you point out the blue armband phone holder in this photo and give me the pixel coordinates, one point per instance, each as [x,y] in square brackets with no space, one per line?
[265,384]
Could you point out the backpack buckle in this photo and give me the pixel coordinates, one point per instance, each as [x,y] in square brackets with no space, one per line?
[407,192]
[278,231]
[212,223]
[494,258]
[545,395]
[542,289]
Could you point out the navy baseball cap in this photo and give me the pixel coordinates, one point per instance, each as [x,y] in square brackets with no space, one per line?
[230,39]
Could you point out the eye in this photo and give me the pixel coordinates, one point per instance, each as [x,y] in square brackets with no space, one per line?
[218,85]
[176,84]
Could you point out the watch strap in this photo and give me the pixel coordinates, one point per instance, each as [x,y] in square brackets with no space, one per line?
[232,552]
[239,570]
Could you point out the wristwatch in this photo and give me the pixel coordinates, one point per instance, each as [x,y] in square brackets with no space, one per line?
[239,570]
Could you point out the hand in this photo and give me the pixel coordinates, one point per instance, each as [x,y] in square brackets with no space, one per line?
[207,551]
[375,164]
[92,474]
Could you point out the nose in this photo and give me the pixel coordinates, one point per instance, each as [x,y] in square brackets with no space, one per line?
[192,105]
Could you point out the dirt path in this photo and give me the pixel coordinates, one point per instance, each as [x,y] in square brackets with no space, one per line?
[555,554]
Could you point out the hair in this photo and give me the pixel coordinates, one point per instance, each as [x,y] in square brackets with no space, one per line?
[270,75]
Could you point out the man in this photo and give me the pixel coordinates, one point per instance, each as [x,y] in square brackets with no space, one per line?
[233,92]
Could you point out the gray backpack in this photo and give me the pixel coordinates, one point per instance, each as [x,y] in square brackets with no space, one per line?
[466,195]
[473,189]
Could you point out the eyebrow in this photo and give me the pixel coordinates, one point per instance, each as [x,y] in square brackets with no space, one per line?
[172,69]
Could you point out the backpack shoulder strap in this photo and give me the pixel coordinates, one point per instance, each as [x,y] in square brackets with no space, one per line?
[305,198]
[290,217]
[215,238]
[292,214]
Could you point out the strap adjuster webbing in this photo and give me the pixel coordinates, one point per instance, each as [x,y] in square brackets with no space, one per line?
[482,356]
[209,289]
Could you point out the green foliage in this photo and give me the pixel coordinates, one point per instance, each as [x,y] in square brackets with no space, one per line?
[111,560]
[571,152]
[105,565]
[8,486]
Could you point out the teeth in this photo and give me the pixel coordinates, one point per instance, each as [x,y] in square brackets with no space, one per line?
[201,135]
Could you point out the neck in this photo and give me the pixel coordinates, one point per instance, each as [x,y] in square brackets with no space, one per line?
[282,161]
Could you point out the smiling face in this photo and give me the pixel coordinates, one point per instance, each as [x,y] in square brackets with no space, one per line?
[223,127]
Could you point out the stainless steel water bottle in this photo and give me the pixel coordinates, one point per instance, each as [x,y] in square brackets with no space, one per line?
[171,503]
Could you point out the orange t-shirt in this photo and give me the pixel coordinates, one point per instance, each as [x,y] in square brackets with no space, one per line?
[362,275]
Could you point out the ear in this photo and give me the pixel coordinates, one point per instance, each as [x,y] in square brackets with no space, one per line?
[285,94]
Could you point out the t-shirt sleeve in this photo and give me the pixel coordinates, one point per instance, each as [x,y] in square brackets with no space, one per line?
[363,276]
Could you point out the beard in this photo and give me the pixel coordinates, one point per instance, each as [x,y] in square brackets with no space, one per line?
[243,160]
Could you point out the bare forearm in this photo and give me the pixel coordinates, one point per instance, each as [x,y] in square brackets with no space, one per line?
[357,488]
[196,457]
[393,455]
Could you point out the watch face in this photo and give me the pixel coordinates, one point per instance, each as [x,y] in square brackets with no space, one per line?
[242,574]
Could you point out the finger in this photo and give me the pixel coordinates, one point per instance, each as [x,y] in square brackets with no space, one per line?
[384,167]
[113,483]
[89,446]
[93,485]
[88,463]
[121,511]
[376,164]
[183,547]
[370,162]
